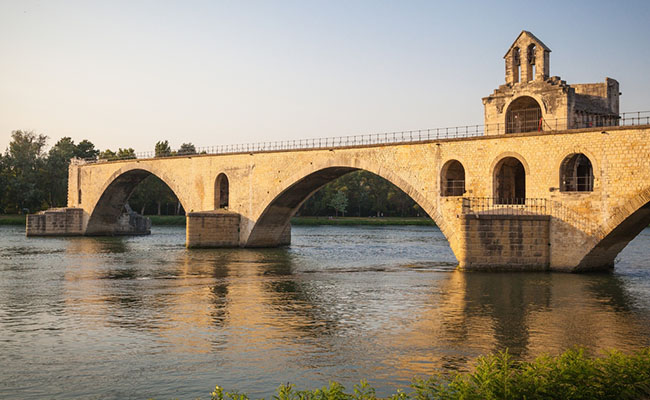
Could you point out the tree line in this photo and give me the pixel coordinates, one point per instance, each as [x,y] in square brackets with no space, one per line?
[33,179]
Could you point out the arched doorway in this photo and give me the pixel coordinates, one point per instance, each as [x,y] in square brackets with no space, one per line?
[576,174]
[452,179]
[509,182]
[221,191]
[524,115]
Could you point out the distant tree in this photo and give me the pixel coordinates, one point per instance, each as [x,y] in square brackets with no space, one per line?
[86,150]
[25,163]
[162,149]
[339,203]
[125,154]
[108,155]
[56,172]
[186,149]
[152,192]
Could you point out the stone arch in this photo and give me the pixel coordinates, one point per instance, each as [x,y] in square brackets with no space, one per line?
[221,191]
[452,179]
[509,180]
[524,114]
[576,173]
[281,206]
[116,191]
[619,230]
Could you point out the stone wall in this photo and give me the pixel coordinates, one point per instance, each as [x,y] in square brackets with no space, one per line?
[512,242]
[55,222]
[218,228]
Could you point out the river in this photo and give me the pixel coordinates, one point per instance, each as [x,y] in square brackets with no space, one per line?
[143,317]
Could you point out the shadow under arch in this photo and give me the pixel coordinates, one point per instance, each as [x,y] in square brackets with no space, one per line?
[115,194]
[627,224]
[275,219]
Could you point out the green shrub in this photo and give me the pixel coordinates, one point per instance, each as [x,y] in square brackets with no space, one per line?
[571,375]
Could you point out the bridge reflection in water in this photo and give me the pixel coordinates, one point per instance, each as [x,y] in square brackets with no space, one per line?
[379,309]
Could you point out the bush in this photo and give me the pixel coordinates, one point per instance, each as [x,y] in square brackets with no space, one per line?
[571,375]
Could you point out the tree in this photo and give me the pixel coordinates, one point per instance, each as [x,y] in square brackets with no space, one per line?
[186,149]
[339,203]
[108,155]
[162,149]
[125,154]
[152,192]
[58,161]
[26,165]
[86,150]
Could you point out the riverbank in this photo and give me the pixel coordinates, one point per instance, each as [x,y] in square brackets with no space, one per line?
[570,375]
[179,220]
[12,219]
[315,221]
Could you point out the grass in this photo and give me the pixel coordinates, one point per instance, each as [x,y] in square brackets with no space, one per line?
[571,375]
[12,219]
[313,221]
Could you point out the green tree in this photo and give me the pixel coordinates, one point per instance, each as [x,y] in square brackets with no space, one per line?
[56,172]
[339,203]
[162,149]
[125,154]
[186,149]
[86,150]
[108,155]
[152,192]
[25,170]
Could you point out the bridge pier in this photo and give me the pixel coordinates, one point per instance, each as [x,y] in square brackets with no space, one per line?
[210,229]
[505,242]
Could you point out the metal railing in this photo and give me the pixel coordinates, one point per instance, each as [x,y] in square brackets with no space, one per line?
[531,206]
[412,136]
[504,206]
[577,184]
[453,187]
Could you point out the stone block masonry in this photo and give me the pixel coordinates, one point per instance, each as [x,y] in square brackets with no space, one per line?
[505,242]
[56,222]
[218,228]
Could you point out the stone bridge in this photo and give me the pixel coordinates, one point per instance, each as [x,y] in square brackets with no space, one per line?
[567,200]
[535,187]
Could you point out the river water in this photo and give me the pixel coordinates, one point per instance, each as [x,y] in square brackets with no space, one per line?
[143,317]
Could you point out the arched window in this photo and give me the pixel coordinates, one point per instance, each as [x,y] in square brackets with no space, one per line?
[524,115]
[576,174]
[516,64]
[452,179]
[221,191]
[531,62]
[509,182]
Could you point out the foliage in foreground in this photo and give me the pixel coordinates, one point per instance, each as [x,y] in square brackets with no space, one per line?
[571,375]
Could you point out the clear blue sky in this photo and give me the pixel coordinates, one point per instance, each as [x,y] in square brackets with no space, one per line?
[130,73]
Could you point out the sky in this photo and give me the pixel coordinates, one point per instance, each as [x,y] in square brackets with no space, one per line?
[130,73]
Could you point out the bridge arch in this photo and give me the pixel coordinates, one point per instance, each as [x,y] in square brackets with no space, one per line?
[281,206]
[624,225]
[116,191]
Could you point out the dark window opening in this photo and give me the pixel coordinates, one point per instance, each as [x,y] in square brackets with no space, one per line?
[576,174]
[524,115]
[510,182]
[516,60]
[452,179]
[221,191]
